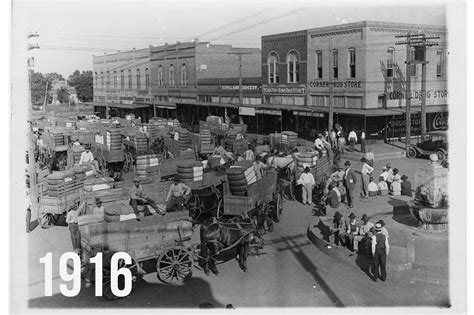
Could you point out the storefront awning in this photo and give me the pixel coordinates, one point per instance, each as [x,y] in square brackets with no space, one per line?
[120,105]
[216,104]
[165,105]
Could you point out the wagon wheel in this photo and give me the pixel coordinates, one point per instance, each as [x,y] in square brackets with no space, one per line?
[411,153]
[220,209]
[175,265]
[46,220]
[106,266]
[126,162]
[279,205]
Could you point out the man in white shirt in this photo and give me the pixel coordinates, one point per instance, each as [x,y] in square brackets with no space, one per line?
[372,188]
[362,142]
[365,174]
[308,182]
[76,143]
[395,187]
[382,187]
[319,144]
[384,173]
[332,139]
[352,140]
[72,221]
[249,155]
[88,159]
[370,157]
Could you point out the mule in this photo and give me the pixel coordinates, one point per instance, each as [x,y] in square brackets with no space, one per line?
[203,204]
[217,237]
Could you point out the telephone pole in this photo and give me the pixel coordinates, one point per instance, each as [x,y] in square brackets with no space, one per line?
[418,42]
[241,95]
[331,100]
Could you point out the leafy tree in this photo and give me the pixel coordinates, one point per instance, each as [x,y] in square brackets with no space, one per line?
[83,82]
[38,84]
[63,95]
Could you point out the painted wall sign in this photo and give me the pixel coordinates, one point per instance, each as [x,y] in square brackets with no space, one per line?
[247,87]
[434,122]
[247,111]
[349,84]
[268,112]
[284,90]
[308,114]
[396,95]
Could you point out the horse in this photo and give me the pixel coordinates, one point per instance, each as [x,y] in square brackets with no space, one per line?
[281,162]
[217,237]
[203,204]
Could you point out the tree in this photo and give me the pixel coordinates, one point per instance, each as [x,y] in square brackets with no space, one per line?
[63,95]
[38,84]
[83,82]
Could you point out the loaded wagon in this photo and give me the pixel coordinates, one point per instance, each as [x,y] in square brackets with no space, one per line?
[107,149]
[159,244]
[55,144]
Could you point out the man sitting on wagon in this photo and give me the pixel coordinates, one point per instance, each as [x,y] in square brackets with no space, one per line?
[88,159]
[176,195]
[138,197]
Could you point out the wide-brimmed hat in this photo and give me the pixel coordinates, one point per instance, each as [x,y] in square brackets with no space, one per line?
[176,178]
[97,200]
[352,215]
[384,168]
[88,146]
[378,226]
[347,163]
[381,222]
[371,178]
[388,165]
[337,215]
[364,218]
[404,177]
[363,159]
[307,169]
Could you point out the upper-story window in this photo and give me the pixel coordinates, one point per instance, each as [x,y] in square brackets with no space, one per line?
[147,79]
[102,79]
[412,59]
[293,67]
[319,64]
[439,62]
[107,80]
[95,83]
[352,63]
[130,79]
[335,64]
[184,75]
[115,79]
[160,75]
[272,62]
[122,80]
[138,76]
[390,61]
[171,75]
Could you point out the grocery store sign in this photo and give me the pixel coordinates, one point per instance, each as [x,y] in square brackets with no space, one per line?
[247,111]
[248,87]
[308,114]
[284,90]
[268,112]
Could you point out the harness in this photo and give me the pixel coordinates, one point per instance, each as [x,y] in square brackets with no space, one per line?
[221,225]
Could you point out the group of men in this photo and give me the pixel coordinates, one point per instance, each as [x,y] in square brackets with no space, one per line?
[350,233]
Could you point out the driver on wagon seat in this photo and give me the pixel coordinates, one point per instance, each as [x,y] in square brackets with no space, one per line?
[176,195]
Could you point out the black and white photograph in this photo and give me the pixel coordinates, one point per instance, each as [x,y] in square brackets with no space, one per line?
[244,155]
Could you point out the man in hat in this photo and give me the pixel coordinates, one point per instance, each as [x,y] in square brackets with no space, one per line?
[99,208]
[372,188]
[72,222]
[138,197]
[364,229]
[334,197]
[76,143]
[365,171]
[176,195]
[308,182]
[406,187]
[384,173]
[380,250]
[390,172]
[370,157]
[352,140]
[319,144]
[338,230]
[395,187]
[349,183]
[382,188]
[384,229]
[352,230]
[88,159]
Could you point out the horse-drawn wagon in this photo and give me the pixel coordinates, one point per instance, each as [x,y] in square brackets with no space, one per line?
[159,244]
[108,150]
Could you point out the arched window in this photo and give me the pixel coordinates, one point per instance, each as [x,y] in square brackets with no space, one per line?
[138,76]
[129,79]
[293,67]
[107,80]
[319,64]
[184,75]
[352,62]
[102,79]
[390,61]
[147,79]
[439,62]
[335,63]
[412,58]
[171,75]
[115,79]
[160,75]
[122,80]
[272,62]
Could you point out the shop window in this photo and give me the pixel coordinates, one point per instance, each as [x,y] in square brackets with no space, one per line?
[160,75]
[335,64]
[439,62]
[354,102]
[147,79]
[214,99]
[184,75]
[171,76]
[287,100]
[272,63]
[318,100]
[338,101]
[129,79]
[319,64]
[413,65]
[138,79]
[122,80]
[390,61]
[299,101]
[352,63]
[293,67]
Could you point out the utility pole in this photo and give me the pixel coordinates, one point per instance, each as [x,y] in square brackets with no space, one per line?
[241,95]
[418,42]
[331,101]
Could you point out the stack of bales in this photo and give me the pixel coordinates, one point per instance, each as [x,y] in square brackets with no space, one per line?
[77,151]
[114,138]
[305,159]
[240,176]
[64,186]
[289,138]
[147,166]
[58,138]
[206,141]
[183,138]
[190,172]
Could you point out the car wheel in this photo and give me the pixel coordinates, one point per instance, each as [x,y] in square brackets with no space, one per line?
[441,155]
[411,153]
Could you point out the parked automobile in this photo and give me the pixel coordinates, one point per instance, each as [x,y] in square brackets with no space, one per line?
[433,142]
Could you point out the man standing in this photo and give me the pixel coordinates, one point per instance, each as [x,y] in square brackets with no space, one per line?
[258,165]
[332,139]
[352,230]
[364,229]
[365,175]
[349,182]
[362,142]
[138,197]
[369,156]
[319,144]
[99,208]
[352,140]
[72,221]
[308,182]
[338,230]
[248,155]
[176,195]
[88,159]
[380,250]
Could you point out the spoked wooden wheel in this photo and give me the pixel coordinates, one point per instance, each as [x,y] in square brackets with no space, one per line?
[106,281]
[46,220]
[175,265]
[220,209]
[126,162]
[279,205]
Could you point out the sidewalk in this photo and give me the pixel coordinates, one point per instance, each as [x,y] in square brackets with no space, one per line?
[381,150]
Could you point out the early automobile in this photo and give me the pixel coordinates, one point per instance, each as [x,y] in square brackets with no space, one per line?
[433,142]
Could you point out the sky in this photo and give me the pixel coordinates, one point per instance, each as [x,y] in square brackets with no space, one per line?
[72,31]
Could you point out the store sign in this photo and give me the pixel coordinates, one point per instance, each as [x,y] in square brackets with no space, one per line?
[348,84]
[284,90]
[247,111]
[268,112]
[308,114]
[397,95]
[434,122]
[248,87]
